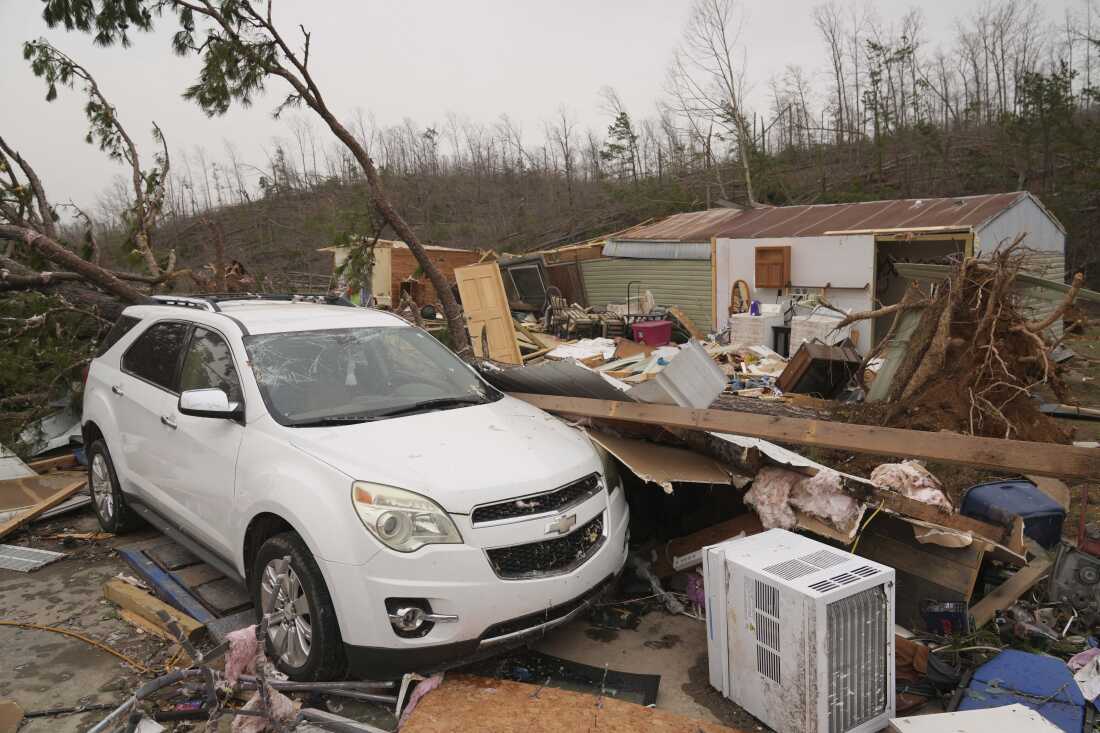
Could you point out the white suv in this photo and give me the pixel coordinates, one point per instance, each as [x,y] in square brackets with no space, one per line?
[428,518]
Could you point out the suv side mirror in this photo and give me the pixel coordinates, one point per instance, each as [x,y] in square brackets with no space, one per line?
[211,402]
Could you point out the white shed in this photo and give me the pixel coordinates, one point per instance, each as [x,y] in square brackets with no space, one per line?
[846,251]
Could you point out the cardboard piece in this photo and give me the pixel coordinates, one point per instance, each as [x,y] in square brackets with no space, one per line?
[665,464]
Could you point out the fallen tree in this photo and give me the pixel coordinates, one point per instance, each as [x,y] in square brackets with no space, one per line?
[978,352]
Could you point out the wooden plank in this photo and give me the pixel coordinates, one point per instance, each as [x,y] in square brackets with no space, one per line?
[146,606]
[900,504]
[75,482]
[1004,456]
[1008,592]
[147,626]
[488,316]
[164,583]
[687,323]
[51,464]
[465,702]
[959,573]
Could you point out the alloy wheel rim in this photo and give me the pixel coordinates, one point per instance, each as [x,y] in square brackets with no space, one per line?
[290,628]
[102,492]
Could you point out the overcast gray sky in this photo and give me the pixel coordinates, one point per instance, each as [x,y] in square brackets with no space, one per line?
[394,59]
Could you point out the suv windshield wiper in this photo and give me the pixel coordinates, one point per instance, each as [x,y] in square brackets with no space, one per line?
[334,420]
[426,405]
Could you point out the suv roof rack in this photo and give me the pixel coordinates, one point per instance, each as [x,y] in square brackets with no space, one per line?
[321,298]
[186,301]
[210,301]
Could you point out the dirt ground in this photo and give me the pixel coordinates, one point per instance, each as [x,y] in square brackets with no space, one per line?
[44,670]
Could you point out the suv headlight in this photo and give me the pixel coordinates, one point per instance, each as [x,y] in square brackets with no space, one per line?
[611,477]
[400,519]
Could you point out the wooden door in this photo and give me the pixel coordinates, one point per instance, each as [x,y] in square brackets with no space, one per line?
[488,318]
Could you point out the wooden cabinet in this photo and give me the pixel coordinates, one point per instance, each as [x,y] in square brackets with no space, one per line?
[773,267]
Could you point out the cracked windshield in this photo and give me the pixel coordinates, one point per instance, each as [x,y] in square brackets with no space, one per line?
[350,375]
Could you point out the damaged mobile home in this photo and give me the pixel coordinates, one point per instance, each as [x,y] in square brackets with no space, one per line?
[735,469]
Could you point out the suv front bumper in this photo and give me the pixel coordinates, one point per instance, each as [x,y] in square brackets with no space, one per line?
[493,613]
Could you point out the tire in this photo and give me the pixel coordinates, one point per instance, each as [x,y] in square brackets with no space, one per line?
[108,502]
[308,647]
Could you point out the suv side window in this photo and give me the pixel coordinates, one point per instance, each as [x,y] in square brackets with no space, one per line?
[121,328]
[155,355]
[209,363]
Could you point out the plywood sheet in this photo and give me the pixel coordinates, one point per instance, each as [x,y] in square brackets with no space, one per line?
[464,702]
[663,464]
[488,317]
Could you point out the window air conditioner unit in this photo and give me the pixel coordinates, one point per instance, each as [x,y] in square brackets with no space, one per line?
[800,634]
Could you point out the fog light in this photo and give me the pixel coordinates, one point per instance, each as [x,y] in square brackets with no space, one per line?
[409,618]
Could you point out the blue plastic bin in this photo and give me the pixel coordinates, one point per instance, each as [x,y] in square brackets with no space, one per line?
[997,502]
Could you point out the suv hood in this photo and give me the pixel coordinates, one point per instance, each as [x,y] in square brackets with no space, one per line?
[459,457]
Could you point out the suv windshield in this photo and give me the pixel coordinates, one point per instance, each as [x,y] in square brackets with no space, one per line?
[349,375]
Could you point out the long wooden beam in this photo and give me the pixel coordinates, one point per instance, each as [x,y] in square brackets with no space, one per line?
[1008,456]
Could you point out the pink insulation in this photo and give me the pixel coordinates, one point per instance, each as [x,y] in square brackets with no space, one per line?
[418,692]
[244,651]
[823,496]
[770,494]
[777,492]
[910,478]
[282,712]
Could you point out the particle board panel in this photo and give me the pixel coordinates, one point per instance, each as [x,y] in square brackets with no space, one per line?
[464,702]
[65,485]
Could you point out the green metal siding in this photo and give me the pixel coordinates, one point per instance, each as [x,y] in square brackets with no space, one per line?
[683,283]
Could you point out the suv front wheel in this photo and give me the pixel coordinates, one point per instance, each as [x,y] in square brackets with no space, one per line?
[303,636]
[107,500]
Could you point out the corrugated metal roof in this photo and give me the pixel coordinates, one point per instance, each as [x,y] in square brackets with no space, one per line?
[964,212]
[694,226]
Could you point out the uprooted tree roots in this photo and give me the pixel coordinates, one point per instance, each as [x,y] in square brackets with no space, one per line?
[975,357]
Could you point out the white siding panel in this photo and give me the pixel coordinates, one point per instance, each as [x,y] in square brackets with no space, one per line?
[1024,216]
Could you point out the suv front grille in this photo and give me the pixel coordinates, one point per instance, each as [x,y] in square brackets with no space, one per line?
[549,557]
[550,501]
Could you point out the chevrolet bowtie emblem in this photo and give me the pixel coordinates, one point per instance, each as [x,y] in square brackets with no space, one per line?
[562,525]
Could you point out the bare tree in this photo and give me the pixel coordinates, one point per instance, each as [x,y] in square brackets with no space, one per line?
[707,79]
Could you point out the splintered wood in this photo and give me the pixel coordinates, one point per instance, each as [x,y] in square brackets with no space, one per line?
[464,702]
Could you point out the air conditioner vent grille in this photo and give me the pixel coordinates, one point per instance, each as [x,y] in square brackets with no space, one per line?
[824,586]
[866,571]
[844,578]
[791,569]
[825,559]
[766,626]
[856,648]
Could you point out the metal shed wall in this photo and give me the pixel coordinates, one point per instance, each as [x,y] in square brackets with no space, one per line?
[683,283]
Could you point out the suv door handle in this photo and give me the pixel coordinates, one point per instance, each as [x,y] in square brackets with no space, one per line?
[165,420]
[116,389]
